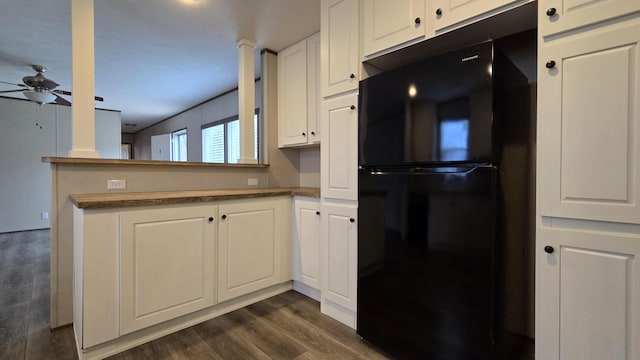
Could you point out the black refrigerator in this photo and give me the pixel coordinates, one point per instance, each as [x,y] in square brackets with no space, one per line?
[444,207]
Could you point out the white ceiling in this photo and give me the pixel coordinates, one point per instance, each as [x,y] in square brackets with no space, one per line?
[153,58]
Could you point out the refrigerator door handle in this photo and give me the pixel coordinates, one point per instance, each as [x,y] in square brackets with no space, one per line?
[442,170]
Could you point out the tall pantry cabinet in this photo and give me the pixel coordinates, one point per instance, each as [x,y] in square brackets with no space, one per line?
[339,73]
[588,213]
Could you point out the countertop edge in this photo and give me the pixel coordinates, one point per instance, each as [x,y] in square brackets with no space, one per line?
[111,200]
[98,161]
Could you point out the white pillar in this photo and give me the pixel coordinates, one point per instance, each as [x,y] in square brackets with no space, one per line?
[83,134]
[246,99]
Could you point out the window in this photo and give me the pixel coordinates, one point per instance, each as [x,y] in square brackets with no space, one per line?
[179,145]
[221,140]
[454,139]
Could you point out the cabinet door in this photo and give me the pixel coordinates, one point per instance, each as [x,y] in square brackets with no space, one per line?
[306,242]
[588,125]
[292,95]
[390,23]
[339,27]
[445,13]
[587,295]
[248,251]
[166,264]
[556,16]
[313,89]
[339,153]
[339,254]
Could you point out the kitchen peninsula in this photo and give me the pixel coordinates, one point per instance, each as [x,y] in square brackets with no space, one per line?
[147,264]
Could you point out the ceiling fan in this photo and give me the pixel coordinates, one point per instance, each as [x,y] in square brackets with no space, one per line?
[41,90]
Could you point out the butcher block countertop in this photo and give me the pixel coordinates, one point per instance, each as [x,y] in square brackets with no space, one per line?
[101,201]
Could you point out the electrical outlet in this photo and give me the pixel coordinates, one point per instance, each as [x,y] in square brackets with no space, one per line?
[44,215]
[252,182]
[116,184]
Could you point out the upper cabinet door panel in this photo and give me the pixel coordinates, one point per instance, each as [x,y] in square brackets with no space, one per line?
[555,16]
[445,13]
[589,126]
[292,95]
[339,153]
[339,46]
[313,89]
[390,23]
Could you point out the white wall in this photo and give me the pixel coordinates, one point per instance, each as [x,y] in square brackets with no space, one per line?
[29,132]
[309,167]
[217,109]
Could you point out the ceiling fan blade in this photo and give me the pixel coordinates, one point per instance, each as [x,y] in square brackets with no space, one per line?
[68,93]
[8,91]
[8,83]
[61,101]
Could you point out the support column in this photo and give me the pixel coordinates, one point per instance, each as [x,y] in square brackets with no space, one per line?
[246,99]
[83,134]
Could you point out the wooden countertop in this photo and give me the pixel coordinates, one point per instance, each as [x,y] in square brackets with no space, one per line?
[91,161]
[101,201]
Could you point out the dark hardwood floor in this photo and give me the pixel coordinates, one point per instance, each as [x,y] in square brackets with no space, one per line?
[288,326]
[24,300]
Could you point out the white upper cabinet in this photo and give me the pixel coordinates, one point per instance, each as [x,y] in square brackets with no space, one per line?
[587,294]
[298,95]
[387,24]
[556,16]
[589,125]
[339,46]
[339,152]
[445,13]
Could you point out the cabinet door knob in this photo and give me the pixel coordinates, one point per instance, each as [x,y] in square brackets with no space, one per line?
[304,134]
[549,249]
[211,219]
[313,133]
[550,64]
[352,76]
[352,220]
[417,20]
[224,217]
[551,11]
[352,107]
[439,12]
[317,212]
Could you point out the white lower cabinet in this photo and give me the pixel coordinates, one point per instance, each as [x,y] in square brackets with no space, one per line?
[166,264]
[249,247]
[587,290]
[306,242]
[141,273]
[339,261]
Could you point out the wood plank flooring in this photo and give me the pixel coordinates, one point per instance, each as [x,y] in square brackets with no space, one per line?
[24,300]
[285,327]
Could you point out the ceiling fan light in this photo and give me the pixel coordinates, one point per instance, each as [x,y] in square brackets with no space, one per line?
[40,97]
